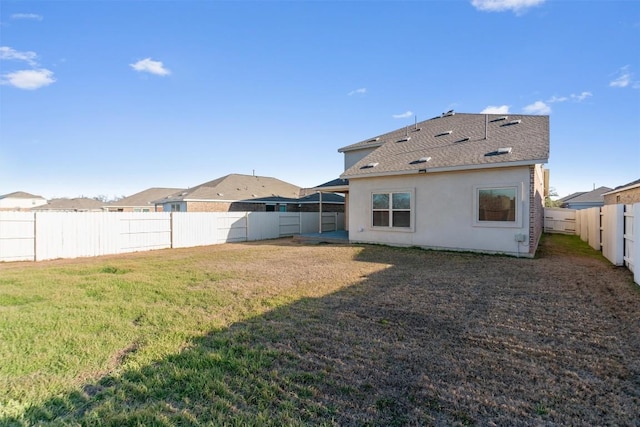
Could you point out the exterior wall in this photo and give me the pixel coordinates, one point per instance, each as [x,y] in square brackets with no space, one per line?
[353,157]
[536,206]
[20,204]
[624,197]
[444,211]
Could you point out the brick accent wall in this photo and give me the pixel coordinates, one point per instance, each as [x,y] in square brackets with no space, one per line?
[624,197]
[536,206]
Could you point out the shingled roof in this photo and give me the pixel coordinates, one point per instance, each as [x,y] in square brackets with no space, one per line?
[455,142]
[236,187]
[145,198]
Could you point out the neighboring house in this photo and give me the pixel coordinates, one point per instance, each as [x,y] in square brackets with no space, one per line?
[234,192]
[623,194]
[20,201]
[142,201]
[464,182]
[79,204]
[330,202]
[584,199]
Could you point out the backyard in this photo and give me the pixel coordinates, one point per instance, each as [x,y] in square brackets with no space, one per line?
[282,333]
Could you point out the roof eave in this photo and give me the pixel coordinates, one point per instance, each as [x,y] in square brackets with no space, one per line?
[450,168]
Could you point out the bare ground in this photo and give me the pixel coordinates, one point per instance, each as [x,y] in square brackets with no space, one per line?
[443,338]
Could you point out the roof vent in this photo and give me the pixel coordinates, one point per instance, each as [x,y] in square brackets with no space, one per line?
[449,132]
[421,160]
[511,123]
[370,165]
[374,139]
[220,194]
[405,139]
[499,151]
[417,129]
[499,119]
[448,113]
[466,138]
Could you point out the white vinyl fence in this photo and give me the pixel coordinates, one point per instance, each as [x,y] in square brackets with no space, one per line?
[31,236]
[612,229]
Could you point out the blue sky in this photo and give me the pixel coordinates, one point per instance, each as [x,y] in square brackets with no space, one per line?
[113,97]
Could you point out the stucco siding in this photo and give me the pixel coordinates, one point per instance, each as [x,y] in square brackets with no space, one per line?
[444,209]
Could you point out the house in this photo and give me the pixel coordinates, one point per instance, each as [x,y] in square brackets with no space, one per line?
[584,199]
[142,201]
[20,201]
[327,202]
[463,182]
[234,192]
[79,204]
[624,194]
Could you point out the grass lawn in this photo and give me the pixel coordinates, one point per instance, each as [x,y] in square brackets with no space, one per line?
[279,333]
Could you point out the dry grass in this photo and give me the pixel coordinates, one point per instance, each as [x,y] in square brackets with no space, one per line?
[371,335]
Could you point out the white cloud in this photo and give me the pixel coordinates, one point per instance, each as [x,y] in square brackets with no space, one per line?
[623,79]
[537,107]
[403,115]
[148,65]
[492,109]
[28,79]
[7,53]
[360,91]
[573,97]
[517,6]
[31,16]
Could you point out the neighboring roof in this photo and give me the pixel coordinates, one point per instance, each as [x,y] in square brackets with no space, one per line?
[311,198]
[455,142]
[235,187]
[594,196]
[20,195]
[77,204]
[571,196]
[624,187]
[145,197]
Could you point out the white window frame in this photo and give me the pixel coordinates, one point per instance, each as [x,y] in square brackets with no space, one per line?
[412,210]
[519,206]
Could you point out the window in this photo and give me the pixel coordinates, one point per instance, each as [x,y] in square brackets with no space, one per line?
[497,204]
[175,207]
[391,209]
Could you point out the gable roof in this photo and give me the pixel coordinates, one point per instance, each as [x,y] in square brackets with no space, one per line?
[145,197]
[594,196]
[20,195]
[77,204]
[571,196]
[235,187]
[455,142]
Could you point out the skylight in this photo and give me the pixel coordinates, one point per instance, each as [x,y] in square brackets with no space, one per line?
[421,160]
[369,165]
[511,123]
[499,151]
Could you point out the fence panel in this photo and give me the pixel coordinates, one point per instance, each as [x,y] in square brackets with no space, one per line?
[593,227]
[233,227]
[143,231]
[17,236]
[560,220]
[629,236]
[612,230]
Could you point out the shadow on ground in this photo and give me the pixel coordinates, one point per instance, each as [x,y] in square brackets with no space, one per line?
[435,339]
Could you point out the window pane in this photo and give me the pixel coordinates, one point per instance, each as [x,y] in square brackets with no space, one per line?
[402,219]
[401,200]
[497,204]
[381,218]
[381,201]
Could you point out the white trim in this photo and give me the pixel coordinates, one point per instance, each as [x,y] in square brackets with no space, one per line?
[390,227]
[519,205]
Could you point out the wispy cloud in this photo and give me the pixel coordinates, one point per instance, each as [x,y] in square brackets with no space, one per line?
[403,115]
[624,79]
[30,16]
[7,53]
[538,107]
[573,97]
[28,79]
[360,91]
[148,65]
[516,6]
[492,109]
